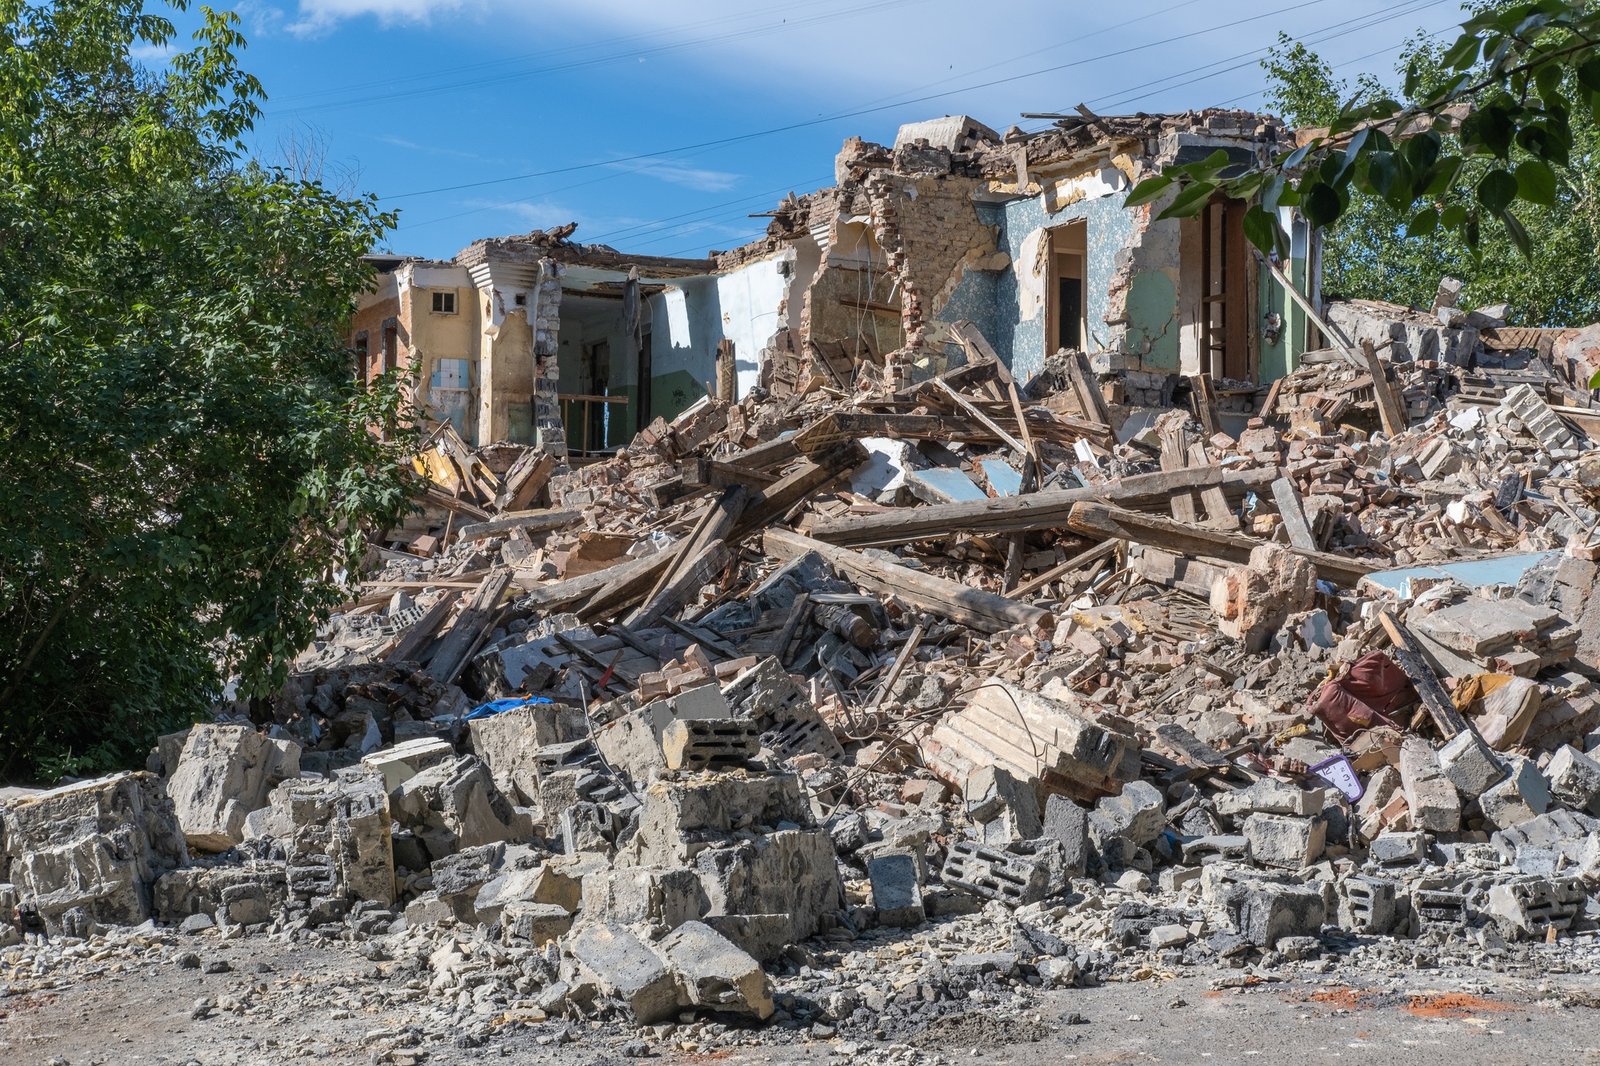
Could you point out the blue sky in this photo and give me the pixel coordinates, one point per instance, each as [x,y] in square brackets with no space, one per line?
[608,112]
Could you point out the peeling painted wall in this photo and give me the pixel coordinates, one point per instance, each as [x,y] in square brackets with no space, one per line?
[746,306]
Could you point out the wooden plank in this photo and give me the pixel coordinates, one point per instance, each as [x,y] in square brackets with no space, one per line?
[695,570]
[1102,521]
[1287,498]
[463,635]
[843,426]
[1218,514]
[1411,659]
[1205,403]
[527,521]
[1175,456]
[1036,511]
[1090,400]
[948,599]
[411,643]
[1390,413]
[984,420]
[525,481]
[1077,562]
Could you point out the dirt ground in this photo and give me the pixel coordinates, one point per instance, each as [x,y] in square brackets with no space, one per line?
[287,1003]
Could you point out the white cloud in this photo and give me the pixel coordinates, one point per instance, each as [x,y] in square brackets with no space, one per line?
[676,172]
[940,49]
[153,55]
[530,214]
[320,16]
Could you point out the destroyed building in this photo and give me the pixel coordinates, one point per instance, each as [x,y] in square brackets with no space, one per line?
[920,678]
[1025,237]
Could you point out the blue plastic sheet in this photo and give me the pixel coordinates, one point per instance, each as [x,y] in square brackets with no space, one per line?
[494,707]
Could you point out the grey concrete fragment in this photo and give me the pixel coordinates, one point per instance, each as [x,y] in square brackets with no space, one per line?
[1575,779]
[1138,814]
[617,964]
[1523,795]
[1264,913]
[1006,809]
[1285,841]
[97,846]
[1068,824]
[1434,802]
[714,974]
[1398,849]
[896,893]
[224,773]
[1469,764]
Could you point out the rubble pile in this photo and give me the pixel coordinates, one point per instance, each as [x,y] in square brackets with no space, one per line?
[843,708]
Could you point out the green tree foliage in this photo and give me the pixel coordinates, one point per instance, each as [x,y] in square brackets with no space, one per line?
[188,467]
[1368,253]
[1483,165]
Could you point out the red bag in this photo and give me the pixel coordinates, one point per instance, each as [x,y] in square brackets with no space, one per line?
[1369,694]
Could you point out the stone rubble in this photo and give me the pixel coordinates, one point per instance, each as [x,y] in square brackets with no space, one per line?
[580,780]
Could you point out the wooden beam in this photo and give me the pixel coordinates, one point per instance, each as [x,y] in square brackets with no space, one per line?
[451,653]
[981,610]
[1036,511]
[1287,498]
[1390,413]
[527,521]
[1409,656]
[1077,562]
[1102,522]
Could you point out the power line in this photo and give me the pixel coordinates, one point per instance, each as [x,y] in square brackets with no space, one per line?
[716,142]
[1318,36]
[671,46]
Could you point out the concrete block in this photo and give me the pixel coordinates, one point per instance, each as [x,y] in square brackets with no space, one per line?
[509,742]
[1068,824]
[715,974]
[1012,879]
[631,895]
[705,743]
[789,872]
[1285,841]
[1523,795]
[896,893]
[454,805]
[1574,780]
[1138,814]
[1271,796]
[1529,907]
[1433,801]
[1006,809]
[695,704]
[404,761]
[1370,905]
[96,846]
[1398,849]
[535,924]
[617,964]
[338,842]
[224,773]
[676,813]
[1264,913]
[1469,764]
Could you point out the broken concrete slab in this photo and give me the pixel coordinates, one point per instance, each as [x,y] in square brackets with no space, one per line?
[225,772]
[99,846]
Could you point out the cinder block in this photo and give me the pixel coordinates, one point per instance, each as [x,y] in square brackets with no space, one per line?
[983,871]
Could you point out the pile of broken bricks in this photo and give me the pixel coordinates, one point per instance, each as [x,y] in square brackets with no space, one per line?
[1003,683]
